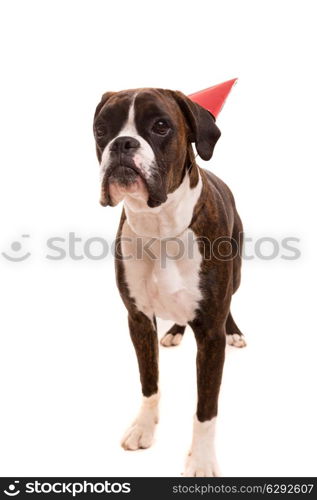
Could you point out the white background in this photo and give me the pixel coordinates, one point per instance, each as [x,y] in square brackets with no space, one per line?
[69,378]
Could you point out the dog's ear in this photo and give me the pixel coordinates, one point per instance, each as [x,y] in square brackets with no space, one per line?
[201,123]
[103,101]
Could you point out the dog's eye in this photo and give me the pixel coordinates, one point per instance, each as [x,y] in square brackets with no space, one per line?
[100,131]
[160,127]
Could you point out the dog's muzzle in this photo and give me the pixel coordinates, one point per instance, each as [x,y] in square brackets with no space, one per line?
[122,176]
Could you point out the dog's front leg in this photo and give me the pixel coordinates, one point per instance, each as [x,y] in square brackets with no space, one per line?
[144,337]
[211,344]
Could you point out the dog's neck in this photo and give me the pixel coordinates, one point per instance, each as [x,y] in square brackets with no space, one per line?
[171,218]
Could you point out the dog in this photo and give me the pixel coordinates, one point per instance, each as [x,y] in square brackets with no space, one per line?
[178,251]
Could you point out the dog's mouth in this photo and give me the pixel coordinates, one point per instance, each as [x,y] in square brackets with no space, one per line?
[121,180]
[124,175]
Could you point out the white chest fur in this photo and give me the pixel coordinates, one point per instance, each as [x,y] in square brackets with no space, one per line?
[161,257]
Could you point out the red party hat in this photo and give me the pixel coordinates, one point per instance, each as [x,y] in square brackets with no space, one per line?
[214,97]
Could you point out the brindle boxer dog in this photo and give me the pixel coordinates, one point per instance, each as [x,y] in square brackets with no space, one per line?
[178,248]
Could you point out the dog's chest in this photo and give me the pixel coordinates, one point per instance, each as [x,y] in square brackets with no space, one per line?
[162,275]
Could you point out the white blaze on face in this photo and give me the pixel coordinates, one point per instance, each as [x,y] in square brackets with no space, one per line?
[144,157]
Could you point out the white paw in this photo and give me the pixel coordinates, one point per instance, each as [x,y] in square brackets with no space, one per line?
[201,466]
[236,340]
[202,461]
[170,340]
[141,432]
[138,436]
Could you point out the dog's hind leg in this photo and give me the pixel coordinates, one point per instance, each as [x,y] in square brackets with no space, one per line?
[234,336]
[173,336]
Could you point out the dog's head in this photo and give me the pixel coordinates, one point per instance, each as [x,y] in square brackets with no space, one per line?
[143,142]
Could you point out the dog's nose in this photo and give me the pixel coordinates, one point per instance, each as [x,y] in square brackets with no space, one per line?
[124,144]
